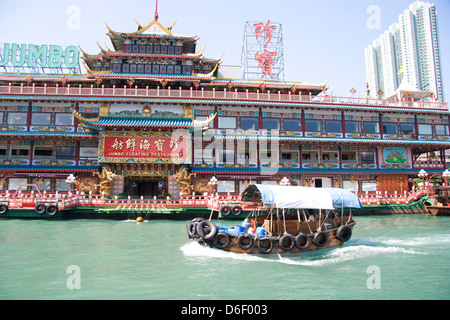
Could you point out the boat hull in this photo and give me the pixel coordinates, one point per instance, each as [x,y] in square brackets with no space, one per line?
[438,210]
[277,246]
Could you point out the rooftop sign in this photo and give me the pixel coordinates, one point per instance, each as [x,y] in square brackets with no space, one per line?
[39,58]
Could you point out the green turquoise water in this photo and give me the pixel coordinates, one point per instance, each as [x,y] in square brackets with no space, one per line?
[389,257]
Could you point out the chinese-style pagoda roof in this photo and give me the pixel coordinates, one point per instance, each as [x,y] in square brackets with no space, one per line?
[50,134]
[283,171]
[253,137]
[142,121]
[150,76]
[153,31]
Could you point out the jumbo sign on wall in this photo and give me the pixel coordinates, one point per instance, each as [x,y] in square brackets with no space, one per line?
[48,56]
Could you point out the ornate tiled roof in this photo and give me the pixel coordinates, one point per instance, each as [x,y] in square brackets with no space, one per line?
[30,168]
[272,171]
[229,102]
[330,140]
[141,121]
[49,134]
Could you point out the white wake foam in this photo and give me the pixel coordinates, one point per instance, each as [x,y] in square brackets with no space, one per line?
[356,249]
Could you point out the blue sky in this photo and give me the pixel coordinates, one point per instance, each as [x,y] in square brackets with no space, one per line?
[322,38]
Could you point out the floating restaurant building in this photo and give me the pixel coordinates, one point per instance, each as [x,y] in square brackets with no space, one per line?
[153,117]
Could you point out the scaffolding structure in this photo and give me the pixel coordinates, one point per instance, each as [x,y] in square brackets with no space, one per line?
[262,51]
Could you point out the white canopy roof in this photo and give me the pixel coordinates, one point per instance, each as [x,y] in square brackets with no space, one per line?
[302,197]
[412,92]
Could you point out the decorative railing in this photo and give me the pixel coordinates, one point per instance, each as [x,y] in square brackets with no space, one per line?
[66,200]
[225,94]
[378,197]
[28,199]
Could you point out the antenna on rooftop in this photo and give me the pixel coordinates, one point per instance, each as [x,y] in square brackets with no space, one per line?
[156,11]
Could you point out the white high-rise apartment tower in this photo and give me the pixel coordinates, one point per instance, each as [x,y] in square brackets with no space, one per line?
[408,51]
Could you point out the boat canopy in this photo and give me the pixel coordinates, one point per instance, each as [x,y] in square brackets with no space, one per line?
[301,197]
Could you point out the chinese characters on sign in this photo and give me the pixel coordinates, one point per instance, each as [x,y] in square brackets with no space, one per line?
[268,30]
[266,58]
[144,147]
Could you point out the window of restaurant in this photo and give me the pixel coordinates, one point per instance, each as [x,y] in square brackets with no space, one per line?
[441,130]
[249,123]
[227,123]
[371,127]
[313,125]
[14,183]
[226,186]
[407,128]
[292,125]
[19,152]
[45,185]
[425,129]
[352,126]
[65,153]
[17,118]
[41,119]
[367,157]
[271,124]
[390,128]
[43,152]
[333,126]
[61,185]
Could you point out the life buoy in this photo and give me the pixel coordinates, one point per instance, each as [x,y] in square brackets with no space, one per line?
[206,229]
[344,233]
[3,209]
[242,241]
[320,239]
[237,210]
[265,245]
[287,242]
[40,208]
[302,241]
[52,210]
[222,240]
[190,228]
[225,211]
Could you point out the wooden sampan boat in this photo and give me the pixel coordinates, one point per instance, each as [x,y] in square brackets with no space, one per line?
[296,219]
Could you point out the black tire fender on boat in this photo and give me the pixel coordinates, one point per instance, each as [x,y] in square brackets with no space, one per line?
[40,208]
[206,229]
[302,241]
[225,211]
[344,233]
[244,236]
[236,211]
[320,239]
[52,210]
[265,245]
[218,243]
[3,209]
[191,229]
[290,242]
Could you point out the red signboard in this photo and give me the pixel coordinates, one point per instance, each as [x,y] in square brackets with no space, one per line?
[144,147]
[127,147]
